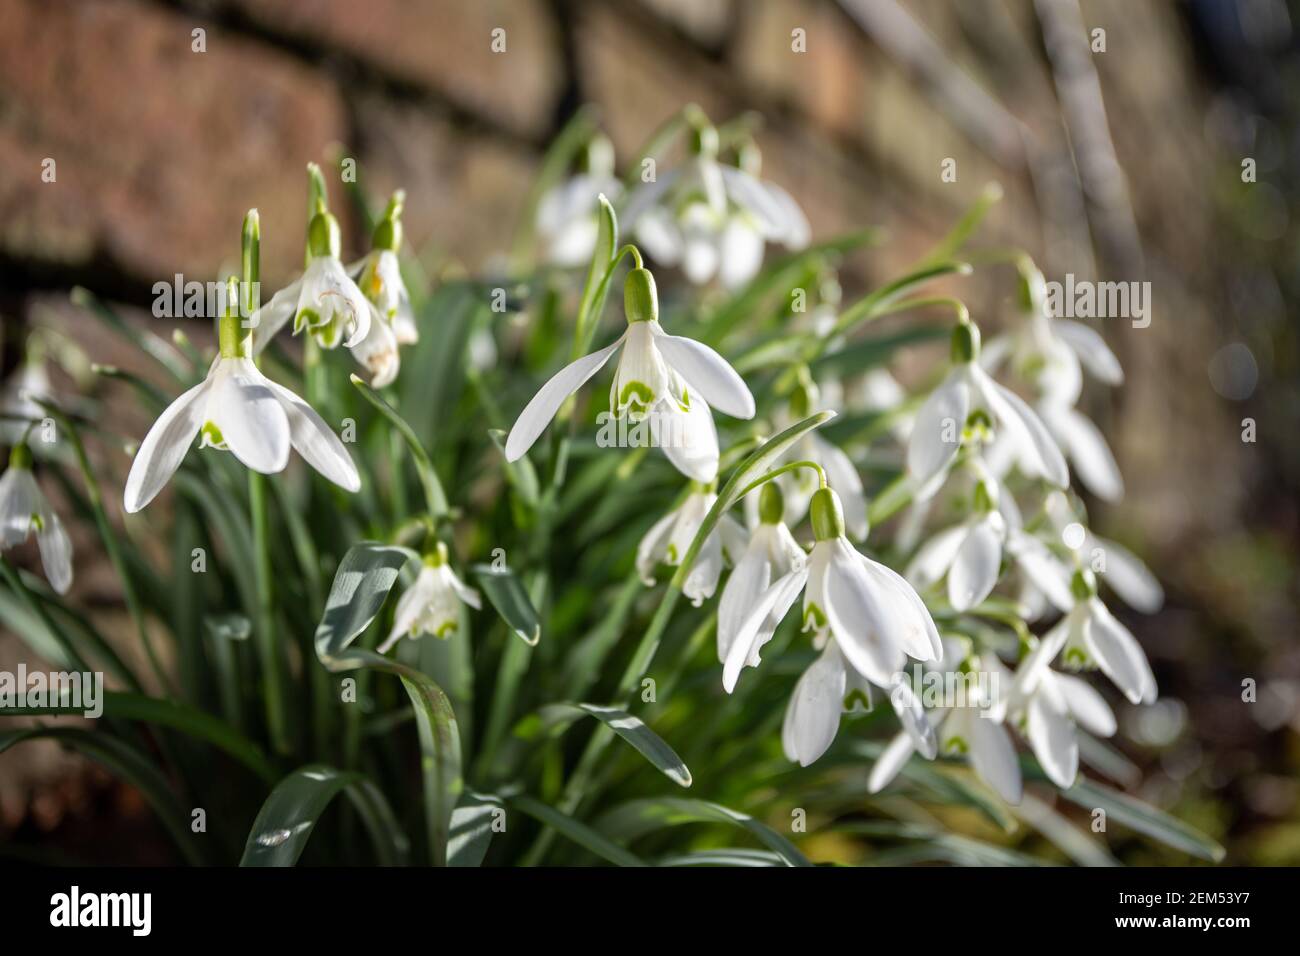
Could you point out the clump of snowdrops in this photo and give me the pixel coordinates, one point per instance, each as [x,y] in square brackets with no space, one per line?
[461,607]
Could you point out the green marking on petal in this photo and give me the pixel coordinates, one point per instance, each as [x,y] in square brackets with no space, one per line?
[956,745]
[446,630]
[211,435]
[814,618]
[1076,657]
[638,393]
[673,557]
[38,523]
[855,698]
[306,319]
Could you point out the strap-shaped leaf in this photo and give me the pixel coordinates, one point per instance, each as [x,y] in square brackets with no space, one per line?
[1145,819]
[510,598]
[650,745]
[639,817]
[287,818]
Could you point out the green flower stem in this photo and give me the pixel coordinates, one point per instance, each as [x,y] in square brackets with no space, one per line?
[785,469]
[435,498]
[268,646]
[109,537]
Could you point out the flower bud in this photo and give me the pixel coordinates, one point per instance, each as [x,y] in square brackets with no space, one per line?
[704,141]
[20,456]
[388,231]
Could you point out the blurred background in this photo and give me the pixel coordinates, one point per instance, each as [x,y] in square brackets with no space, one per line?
[1120,154]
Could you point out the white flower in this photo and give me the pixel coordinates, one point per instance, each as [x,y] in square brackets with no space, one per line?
[1085,447]
[673,379]
[1122,570]
[378,353]
[972,728]
[1048,707]
[713,219]
[432,604]
[969,398]
[325,302]
[841,474]
[772,553]
[568,215]
[669,538]
[379,276]
[865,618]
[1088,638]
[24,509]
[237,408]
[969,553]
[17,400]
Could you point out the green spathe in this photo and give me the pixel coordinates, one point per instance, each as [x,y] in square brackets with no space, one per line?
[640,299]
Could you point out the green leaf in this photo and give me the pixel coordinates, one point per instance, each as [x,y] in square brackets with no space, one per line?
[160,350]
[510,598]
[877,302]
[951,244]
[575,830]
[287,818]
[361,585]
[471,830]
[173,714]
[521,474]
[127,763]
[729,856]
[1144,818]
[867,353]
[599,275]
[650,745]
[639,817]
[435,498]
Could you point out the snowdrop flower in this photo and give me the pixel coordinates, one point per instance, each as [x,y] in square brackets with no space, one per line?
[971,728]
[432,604]
[671,379]
[1089,638]
[379,274]
[969,553]
[324,301]
[670,537]
[1123,571]
[24,509]
[1049,707]
[713,219]
[970,404]
[865,619]
[568,216]
[238,409]
[772,553]
[18,399]
[800,485]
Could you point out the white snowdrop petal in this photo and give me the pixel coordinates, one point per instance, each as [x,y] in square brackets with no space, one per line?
[1091,349]
[1087,451]
[646,197]
[274,315]
[912,716]
[1119,655]
[251,418]
[936,433]
[654,543]
[1087,707]
[891,760]
[795,232]
[410,607]
[1052,737]
[932,561]
[994,758]
[812,717]
[691,442]
[751,577]
[759,624]
[537,414]
[1037,450]
[742,253]
[914,629]
[1129,577]
[164,447]
[315,441]
[702,579]
[858,618]
[707,373]
[974,569]
[19,500]
[56,551]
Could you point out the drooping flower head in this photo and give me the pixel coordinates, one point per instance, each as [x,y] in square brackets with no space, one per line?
[669,539]
[712,218]
[23,510]
[669,379]
[568,215]
[237,409]
[432,604]
[969,404]
[864,618]
[379,276]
